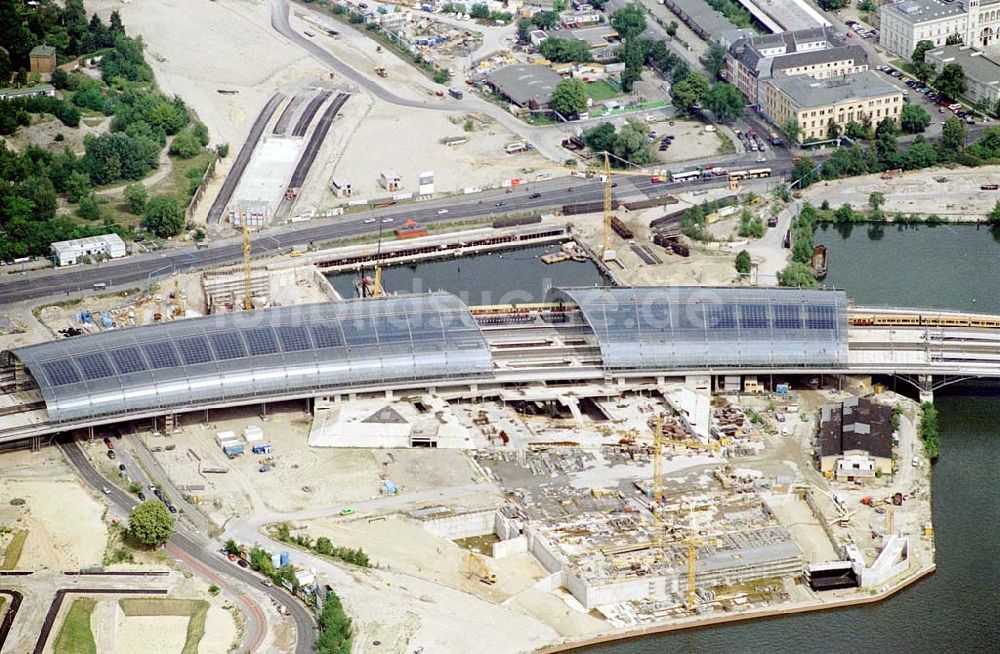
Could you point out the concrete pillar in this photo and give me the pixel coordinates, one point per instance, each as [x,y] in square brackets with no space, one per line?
[263,410]
[389,394]
[926,388]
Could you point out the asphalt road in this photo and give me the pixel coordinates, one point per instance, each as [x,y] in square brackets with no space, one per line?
[202,552]
[139,270]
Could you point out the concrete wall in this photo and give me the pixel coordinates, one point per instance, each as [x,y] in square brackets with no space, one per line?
[510,547]
[465,525]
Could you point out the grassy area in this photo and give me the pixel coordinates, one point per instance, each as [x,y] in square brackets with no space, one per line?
[725,145]
[193,608]
[3,600]
[75,635]
[905,66]
[601,91]
[178,183]
[13,553]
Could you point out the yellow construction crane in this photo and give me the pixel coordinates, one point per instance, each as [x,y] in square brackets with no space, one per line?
[657,540]
[178,305]
[608,253]
[247,275]
[476,566]
[693,544]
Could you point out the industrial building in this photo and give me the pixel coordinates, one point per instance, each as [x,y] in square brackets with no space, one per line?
[69,253]
[904,24]
[817,53]
[525,85]
[42,59]
[982,73]
[855,440]
[814,104]
[602,40]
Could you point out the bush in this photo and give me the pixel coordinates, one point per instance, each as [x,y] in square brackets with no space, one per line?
[150,523]
[136,198]
[441,76]
[928,430]
[185,145]
[743,262]
[89,209]
[222,150]
[334,627]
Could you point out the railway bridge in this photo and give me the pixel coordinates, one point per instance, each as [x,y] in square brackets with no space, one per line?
[579,342]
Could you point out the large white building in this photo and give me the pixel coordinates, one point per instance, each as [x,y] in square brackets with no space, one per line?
[68,253]
[982,73]
[906,23]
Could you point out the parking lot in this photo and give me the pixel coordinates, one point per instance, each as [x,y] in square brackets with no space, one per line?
[937,103]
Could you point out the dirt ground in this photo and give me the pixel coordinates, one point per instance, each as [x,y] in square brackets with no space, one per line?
[44,128]
[300,477]
[952,194]
[162,633]
[691,141]
[52,494]
[428,556]
[358,150]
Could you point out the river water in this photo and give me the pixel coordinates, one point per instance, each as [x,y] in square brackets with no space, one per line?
[500,277]
[955,609]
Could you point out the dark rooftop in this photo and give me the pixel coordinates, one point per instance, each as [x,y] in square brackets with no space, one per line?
[857,424]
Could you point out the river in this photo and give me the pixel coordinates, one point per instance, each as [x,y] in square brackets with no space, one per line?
[499,277]
[955,609]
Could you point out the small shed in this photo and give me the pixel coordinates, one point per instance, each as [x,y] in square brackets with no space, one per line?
[390,180]
[340,187]
[253,433]
[42,59]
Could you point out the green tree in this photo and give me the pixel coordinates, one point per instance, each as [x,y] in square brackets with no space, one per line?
[164,217]
[524,31]
[954,39]
[920,155]
[725,101]
[633,55]
[951,81]
[600,138]
[832,129]
[913,119]
[569,97]
[804,172]
[689,91]
[136,198]
[77,186]
[672,28]
[929,430]
[993,217]
[855,130]
[441,76]
[953,134]
[60,78]
[545,20]
[479,12]
[798,275]
[792,129]
[875,200]
[150,523]
[921,67]
[89,209]
[222,150]
[714,60]
[743,262]
[232,547]
[564,51]
[832,5]
[631,144]
[629,21]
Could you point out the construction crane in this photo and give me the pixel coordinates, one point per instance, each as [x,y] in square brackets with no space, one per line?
[247,280]
[657,540]
[693,543]
[476,566]
[608,253]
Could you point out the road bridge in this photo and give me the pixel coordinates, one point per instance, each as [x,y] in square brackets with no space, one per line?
[617,338]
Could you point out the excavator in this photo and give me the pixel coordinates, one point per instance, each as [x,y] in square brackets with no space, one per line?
[477,567]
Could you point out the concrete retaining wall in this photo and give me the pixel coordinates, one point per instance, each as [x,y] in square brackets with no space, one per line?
[510,547]
[465,525]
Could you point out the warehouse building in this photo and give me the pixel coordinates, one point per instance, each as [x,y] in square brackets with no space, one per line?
[525,85]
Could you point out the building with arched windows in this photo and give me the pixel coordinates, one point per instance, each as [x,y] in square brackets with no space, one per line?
[904,24]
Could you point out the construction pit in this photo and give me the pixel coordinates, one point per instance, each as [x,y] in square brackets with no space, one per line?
[547,511]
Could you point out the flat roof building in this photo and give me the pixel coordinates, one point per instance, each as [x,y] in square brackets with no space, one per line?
[813,104]
[69,253]
[525,85]
[982,74]
[27,91]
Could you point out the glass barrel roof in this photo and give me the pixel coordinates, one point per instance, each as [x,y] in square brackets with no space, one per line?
[266,352]
[704,327]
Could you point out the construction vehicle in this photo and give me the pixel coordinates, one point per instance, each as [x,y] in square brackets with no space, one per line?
[476,566]
[380,71]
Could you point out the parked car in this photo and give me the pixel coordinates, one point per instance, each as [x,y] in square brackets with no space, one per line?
[111,455]
[534,196]
[121,466]
[142,496]
[105,490]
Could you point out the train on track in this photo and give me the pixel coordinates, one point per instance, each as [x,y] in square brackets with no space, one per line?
[878,319]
